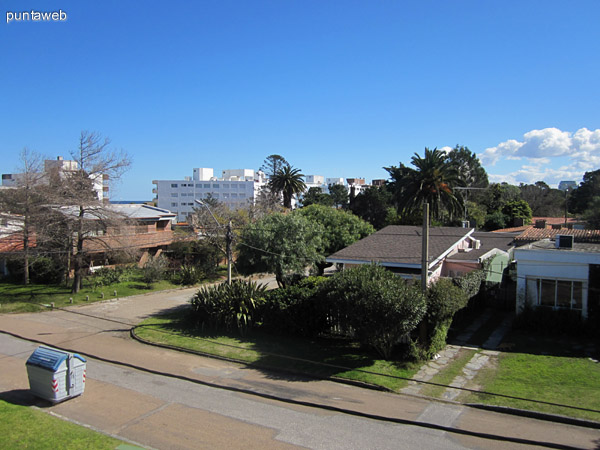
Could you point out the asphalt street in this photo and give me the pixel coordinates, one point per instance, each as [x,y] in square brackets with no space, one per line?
[165,399]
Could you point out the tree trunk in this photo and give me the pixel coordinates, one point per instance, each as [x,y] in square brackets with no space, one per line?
[78,259]
[25,255]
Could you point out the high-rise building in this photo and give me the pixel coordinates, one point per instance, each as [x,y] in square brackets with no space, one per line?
[61,166]
[236,188]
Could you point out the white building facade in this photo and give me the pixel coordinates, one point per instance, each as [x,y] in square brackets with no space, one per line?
[61,166]
[236,189]
[555,278]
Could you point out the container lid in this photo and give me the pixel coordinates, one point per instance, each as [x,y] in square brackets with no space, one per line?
[49,358]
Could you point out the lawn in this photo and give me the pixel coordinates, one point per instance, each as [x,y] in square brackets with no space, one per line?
[318,357]
[24,427]
[545,369]
[19,298]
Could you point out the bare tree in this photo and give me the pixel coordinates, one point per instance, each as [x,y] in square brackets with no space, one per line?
[21,207]
[76,194]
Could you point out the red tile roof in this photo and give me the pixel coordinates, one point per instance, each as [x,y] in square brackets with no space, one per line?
[537,234]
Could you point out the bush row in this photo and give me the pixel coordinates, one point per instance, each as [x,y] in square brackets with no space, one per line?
[366,303]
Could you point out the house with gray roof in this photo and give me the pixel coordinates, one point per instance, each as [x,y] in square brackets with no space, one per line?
[453,251]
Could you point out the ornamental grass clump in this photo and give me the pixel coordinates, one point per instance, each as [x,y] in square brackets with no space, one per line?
[228,306]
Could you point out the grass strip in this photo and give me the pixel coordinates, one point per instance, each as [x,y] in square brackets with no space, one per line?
[318,357]
[20,298]
[448,374]
[557,379]
[23,427]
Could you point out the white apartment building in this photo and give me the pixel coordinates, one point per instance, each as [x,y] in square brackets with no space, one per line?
[62,166]
[321,182]
[236,188]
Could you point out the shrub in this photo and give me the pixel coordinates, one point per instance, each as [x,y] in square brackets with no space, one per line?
[187,275]
[444,299]
[41,270]
[202,255]
[376,305]
[110,275]
[297,309]
[225,306]
[154,270]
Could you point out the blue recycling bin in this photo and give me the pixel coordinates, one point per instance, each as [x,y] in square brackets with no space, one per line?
[55,375]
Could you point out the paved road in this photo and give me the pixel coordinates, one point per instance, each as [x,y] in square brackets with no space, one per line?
[207,403]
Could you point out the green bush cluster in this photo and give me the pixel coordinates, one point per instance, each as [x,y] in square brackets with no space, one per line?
[228,306]
[106,276]
[378,307]
[366,303]
[444,299]
[42,269]
[187,275]
[297,309]
[154,270]
[204,256]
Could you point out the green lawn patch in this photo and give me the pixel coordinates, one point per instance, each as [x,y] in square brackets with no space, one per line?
[23,427]
[19,298]
[562,375]
[322,357]
[448,373]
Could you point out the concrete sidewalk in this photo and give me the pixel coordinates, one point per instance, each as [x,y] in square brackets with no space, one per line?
[107,339]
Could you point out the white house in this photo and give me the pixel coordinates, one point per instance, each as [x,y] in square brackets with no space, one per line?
[236,188]
[556,274]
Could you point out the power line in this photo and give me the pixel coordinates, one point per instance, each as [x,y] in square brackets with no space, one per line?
[333,366]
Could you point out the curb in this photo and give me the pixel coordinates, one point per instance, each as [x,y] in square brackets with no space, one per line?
[536,415]
[356,383]
[499,409]
[331,408]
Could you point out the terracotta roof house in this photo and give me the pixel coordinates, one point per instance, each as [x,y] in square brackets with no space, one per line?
[11,239]
[536,234]
[453,251]
[127,227]
[560,274]
[544,222]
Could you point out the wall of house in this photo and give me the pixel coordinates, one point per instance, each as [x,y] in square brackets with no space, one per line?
[458,268]
[551,265]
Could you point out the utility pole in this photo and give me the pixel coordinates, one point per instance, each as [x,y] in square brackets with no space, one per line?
[228,239]
[425,249]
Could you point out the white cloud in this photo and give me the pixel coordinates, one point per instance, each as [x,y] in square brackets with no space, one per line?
[550,155]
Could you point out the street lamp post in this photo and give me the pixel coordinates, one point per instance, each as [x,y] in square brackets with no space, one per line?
[228,238]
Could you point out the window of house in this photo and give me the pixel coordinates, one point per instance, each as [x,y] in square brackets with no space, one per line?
[173,204]
[225,186]
[198,185]
[174,185]
[215,186]
[553,293]
[174,194]
[206,185]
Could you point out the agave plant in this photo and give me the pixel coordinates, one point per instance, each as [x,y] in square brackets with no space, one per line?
[228,306]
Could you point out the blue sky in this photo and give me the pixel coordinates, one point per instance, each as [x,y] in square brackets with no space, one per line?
[339,88]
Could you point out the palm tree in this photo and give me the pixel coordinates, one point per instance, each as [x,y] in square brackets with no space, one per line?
[431,182]
[288,182]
